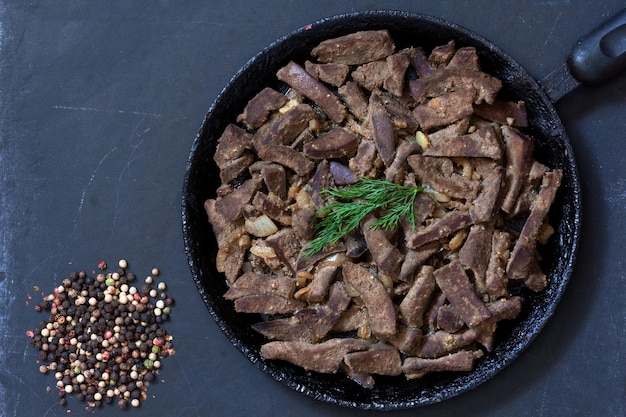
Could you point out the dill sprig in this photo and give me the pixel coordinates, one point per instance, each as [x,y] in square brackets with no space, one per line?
[353,203]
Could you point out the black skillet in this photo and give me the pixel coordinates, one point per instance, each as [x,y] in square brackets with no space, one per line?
[598,57]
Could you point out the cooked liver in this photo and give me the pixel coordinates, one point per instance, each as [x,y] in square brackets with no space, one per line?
[417,300]
[429,294]
[332,73]
[260,106]
[379,305]
[355,48]
[336,143]
[386,255]
[523,252]
[384,133]
[311,323]
[381,359]
[355,99]
[454,362]
[483,143]
[325,357]
[297,77]
[458,289]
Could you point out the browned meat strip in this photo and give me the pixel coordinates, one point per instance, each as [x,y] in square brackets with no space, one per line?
[251,283]
[234,168]
[287,157]
[446,133]
[355,99]
[297,77]
[519,156]
[465,58]
[482,87]
[397,64]
[221,225]
[424,207]
[430,318]
[336,143]
[495,278]
[322,279]
[306,263]
[353,318]
[258,109]
[451,222]
[501,309]
[414,258]
[342,175]
[231,205]
[536,280]
[322,357]
[461,361]
[371,75]
[504,112]
[417,300]
[230,255]
[275,179]
[302,223]
[310,324]
[355,244]
[400,114]
[321,180]
[528,193]
[458,289]
[272,206]
[384,133]
[267,304]
[524,249]
[442,54]
[444,109]
[363,163]
[476,251]
[381,359]
[419,62]
[355,48]
[483,143]
[231,145]
[448,319]
[379,305]
[285,129]
[407,339]
[489,197]
[439,173]
[363,380]
[230,260]
[505,308]
[287,247]
[440,343]
[307,134]
[331,73]
[386,255]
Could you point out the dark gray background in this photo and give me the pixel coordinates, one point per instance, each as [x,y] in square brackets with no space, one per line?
[100,103]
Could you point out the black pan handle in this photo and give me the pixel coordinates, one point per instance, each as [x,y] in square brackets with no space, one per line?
[597,57]
[602,54]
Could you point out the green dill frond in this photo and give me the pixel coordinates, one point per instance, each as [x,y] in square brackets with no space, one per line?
[353,203]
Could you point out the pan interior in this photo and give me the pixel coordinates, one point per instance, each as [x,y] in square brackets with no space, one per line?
[552,148]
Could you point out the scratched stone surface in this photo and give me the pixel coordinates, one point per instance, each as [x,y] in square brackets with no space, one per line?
[99,107]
